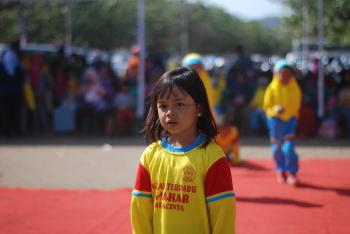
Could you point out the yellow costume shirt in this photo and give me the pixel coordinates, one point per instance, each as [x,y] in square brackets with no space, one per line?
[287,96]
[183,190]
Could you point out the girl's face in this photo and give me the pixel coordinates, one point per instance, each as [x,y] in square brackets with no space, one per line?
[178,113]
[285,75]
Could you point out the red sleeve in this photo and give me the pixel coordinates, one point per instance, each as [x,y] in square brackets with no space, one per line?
[143,181]
[218,178]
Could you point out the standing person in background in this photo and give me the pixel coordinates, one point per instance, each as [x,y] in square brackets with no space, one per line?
[343,108]
[240,65]
[257,117]
[195,61]
[59,71]
[91,112]
[131,71]
[106,81]
[11,90]
[125,111]
[40,82]
[183,183]
[239,97]
[282,102]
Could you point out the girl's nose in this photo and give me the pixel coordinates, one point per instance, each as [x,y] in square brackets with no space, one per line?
[171,111]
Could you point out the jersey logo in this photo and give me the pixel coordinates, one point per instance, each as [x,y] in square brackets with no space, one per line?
[189,173]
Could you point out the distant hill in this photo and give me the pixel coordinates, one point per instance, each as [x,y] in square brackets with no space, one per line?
[270,22]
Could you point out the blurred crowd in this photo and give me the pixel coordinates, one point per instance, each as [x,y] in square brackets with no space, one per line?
[45,93]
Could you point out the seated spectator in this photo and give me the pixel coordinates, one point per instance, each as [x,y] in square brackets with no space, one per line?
[228,140]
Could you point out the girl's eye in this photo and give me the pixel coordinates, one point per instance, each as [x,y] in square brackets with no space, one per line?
[180,104]
[162,106]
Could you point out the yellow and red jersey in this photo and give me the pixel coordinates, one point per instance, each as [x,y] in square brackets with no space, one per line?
[183,190]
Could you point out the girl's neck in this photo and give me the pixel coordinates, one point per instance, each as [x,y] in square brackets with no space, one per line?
[183,140]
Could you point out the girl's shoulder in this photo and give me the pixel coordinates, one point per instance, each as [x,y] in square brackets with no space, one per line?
[214,151]
[212,154]
[151,149]
[153,146]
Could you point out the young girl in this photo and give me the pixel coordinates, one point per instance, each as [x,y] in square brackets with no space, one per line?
[183,183]
[282,102]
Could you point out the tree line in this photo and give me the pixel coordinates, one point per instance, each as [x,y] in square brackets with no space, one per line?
[111,24]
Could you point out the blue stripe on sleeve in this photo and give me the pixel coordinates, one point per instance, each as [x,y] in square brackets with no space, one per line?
[220,197]
[138,194]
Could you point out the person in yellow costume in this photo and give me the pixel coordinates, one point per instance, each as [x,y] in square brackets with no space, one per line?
[282,102]
[228,135]
[195,61]
[257,117]
[228,140]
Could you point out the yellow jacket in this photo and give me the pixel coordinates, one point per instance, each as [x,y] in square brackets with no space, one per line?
[210,90]
[287,96]
[258,99]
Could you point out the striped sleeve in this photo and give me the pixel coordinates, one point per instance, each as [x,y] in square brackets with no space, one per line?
[218,181]
[143,183]
[142,203]
[221,202]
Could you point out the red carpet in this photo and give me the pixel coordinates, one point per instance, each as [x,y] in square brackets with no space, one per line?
[319,205]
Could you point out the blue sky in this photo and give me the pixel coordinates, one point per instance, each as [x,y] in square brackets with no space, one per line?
[251,9]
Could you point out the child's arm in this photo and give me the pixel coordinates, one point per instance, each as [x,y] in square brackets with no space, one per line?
[220,198]
[222,216]
[142,203]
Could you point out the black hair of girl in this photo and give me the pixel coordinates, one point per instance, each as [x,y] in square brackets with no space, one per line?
[189,81]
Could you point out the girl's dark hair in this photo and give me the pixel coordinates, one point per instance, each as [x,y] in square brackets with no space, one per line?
[189,81]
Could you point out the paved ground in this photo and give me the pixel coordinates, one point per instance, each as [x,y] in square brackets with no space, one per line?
[81,163]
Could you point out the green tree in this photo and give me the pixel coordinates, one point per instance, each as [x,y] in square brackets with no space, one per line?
[336,19]
[104,24]
[109,24]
